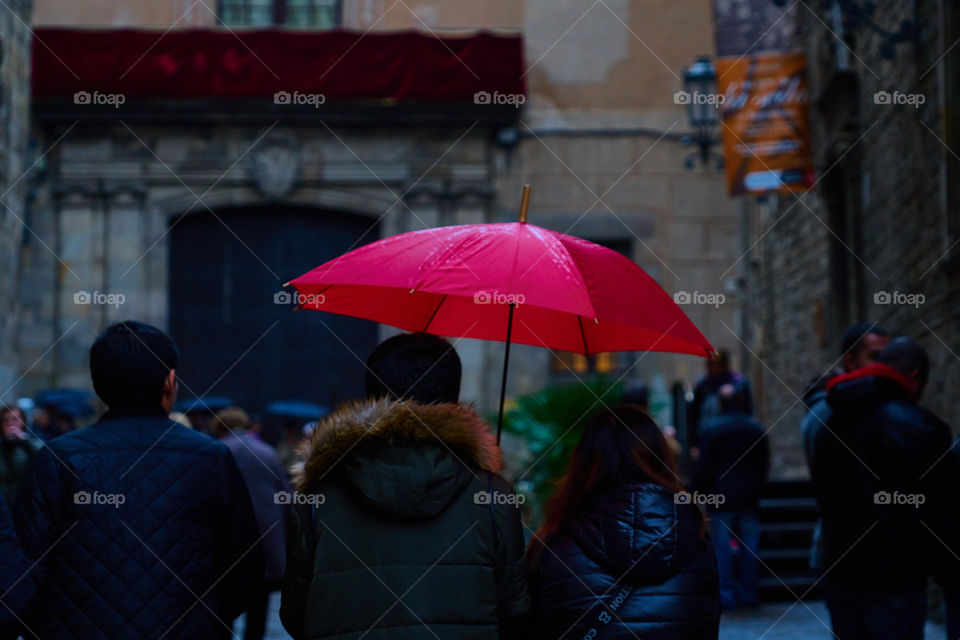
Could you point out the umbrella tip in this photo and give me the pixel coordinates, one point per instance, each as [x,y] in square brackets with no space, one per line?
[524,203]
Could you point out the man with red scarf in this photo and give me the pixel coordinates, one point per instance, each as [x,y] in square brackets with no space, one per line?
[879,477]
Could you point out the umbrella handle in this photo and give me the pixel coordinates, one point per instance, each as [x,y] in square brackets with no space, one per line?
[524,204]
[503,382]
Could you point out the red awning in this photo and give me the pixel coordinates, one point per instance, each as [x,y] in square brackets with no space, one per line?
[209,63]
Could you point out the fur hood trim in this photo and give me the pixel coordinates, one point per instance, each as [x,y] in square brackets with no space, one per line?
[393,422]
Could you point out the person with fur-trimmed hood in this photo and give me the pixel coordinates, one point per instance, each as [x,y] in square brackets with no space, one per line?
[402,527]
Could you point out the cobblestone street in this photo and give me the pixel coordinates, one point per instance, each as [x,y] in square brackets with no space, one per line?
[775,621]
[781,621]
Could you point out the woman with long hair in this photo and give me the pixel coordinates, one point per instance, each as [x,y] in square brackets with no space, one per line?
[623,552]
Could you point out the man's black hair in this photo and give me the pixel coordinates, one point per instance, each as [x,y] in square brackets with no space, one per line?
[906,355]
[855,335]
[414,366]
[129,362]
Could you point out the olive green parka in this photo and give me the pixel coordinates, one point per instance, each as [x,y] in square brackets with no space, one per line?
[403,529]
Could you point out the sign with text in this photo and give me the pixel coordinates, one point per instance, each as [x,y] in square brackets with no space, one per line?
[766,131]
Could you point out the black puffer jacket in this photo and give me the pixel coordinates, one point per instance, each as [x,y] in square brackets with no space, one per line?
[404,543]
[880,480]
[138,528]
[635,537]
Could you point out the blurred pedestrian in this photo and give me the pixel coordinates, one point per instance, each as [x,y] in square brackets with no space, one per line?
[52,422]
[731,473]
[17,448]
[877,478]
[861,346]
[623,553]
[269,493]
[136,528]
[403,527]
[706,402]
[637,394]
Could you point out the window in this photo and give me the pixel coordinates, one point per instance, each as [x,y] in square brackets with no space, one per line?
[565,362]
[316,14]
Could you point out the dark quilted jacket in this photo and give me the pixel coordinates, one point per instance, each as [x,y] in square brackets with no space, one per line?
[16,589]
[400,546]
[167,561]
[636,537]
[878,443]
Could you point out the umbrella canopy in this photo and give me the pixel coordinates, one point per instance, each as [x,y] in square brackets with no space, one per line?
[297,409]
[206,403]
[78,403]
[465,281]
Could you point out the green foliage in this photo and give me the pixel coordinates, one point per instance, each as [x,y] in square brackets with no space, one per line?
[551,421]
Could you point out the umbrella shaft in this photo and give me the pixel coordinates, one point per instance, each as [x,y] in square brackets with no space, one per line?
[503,381]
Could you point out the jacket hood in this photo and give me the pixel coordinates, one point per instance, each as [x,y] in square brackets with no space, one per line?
[868,386]
[640,530]
[403,459]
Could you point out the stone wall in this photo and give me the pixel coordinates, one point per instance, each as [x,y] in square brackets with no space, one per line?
[113,193]
[15,159]
[874,228]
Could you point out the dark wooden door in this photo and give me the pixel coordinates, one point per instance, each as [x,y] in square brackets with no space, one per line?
[222,305]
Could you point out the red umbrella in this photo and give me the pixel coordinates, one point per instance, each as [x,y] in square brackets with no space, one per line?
[512,282]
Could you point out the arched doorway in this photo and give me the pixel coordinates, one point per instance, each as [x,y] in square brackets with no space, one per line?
[234,339]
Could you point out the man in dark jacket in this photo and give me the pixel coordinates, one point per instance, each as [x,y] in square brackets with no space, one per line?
[266,482]
[706,399]
[16,588]
[861,346]
[734,461]
[876,477]
[137,527]
[403,527]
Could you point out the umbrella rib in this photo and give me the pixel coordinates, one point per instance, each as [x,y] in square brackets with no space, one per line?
[583,336]
[434,314]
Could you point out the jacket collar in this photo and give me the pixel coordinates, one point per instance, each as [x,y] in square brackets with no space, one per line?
[875,370]
[119,413]
[392,422]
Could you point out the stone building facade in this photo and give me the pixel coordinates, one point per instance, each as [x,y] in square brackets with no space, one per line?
[876,239]
[16,173]
[600,138]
